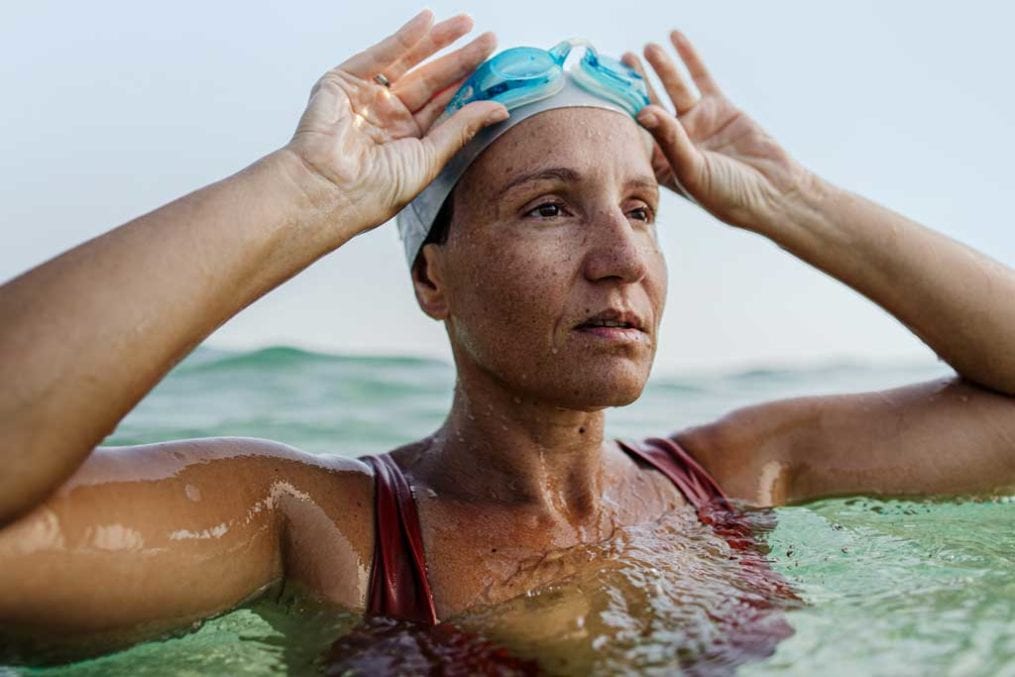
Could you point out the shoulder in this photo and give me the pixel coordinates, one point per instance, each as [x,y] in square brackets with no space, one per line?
[241,469]
[946,436]
[245,454]
[748,451]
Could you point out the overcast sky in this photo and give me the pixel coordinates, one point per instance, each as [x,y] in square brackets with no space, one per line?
[113,108]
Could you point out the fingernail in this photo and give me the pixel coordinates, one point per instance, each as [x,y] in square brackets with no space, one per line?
[648,119]
[426,11]
[498,115]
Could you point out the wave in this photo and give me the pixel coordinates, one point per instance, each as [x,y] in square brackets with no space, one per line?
[288,358]
[206,359]
[843,367]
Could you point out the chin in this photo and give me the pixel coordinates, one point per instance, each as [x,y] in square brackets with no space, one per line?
[580,380]
[594,386]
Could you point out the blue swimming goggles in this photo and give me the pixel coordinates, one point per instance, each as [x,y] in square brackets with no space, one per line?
[532,81]
[521,75]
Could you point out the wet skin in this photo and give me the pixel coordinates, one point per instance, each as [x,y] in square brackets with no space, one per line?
[136,540]
[518,473]
[520,464]
[518,470]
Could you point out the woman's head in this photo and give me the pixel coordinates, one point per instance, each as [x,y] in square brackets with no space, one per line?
[551,232]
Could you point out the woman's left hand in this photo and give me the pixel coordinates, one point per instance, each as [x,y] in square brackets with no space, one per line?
[711,151]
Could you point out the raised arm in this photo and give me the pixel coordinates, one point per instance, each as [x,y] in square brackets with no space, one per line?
[951,436]
[87,334]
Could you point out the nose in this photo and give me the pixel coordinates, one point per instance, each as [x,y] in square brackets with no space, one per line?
[616,248]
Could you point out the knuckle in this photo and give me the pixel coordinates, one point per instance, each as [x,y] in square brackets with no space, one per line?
[328,82]
[332,81]
[469,130]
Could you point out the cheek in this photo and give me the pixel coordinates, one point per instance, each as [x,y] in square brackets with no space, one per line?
[659,282]
[510,295]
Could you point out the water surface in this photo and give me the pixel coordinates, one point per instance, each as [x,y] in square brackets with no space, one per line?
[900,587]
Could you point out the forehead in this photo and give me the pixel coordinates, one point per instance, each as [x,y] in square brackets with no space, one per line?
[589,140]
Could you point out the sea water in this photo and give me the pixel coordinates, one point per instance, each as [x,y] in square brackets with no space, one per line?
[879,587]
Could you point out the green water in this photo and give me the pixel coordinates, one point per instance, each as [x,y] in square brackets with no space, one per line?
[889,587]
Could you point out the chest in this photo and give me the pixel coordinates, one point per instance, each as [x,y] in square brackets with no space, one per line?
[478,557]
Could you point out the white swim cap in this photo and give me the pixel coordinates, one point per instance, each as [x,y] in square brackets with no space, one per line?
[417,218]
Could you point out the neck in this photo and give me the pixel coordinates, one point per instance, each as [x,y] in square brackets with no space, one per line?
[499,447]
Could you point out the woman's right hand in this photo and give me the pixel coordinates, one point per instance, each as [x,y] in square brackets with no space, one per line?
[87,334]
[372,144]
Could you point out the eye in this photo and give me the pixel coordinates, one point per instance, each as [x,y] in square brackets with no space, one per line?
[548,210]
[643,214]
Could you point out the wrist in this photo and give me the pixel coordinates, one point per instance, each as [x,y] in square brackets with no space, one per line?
[803,201]
[314,201]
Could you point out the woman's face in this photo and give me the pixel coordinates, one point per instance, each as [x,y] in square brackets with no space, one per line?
[551,280]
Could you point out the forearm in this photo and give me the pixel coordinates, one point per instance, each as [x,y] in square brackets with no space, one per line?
[87,334]
[957,300]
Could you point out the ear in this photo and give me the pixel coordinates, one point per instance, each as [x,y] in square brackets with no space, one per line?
[428,281]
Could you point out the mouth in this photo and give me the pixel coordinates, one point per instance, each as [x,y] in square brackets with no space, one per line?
[614,324]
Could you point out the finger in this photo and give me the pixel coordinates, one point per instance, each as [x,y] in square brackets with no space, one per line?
[375,59]
[632,61]
[440,36]
[695,66]
[684,158]
[673,82]
[447,138]
[432,110]
[419,86]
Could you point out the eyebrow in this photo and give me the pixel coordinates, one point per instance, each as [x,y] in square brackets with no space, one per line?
[568,175]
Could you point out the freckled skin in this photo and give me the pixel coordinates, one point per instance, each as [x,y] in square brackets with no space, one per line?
[520,468]
[516,285]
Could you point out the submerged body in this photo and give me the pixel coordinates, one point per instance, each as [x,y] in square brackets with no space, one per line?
[400,583]
[934,570]
[310,521]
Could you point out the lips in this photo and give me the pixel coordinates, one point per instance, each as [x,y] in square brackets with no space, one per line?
[613,318]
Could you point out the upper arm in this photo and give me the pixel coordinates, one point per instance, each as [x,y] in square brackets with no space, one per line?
[156,536]
[947,436]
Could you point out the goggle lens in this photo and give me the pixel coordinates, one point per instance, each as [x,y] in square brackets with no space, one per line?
[523,63]
[611,68]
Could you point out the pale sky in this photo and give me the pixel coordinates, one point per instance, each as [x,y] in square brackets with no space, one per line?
[111,109]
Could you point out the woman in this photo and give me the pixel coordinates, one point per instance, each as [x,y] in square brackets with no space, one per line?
[551,285]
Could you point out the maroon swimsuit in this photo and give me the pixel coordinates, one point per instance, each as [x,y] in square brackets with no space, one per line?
[398,584]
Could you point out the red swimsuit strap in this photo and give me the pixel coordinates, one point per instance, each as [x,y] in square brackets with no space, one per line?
[398,584]
[669,458]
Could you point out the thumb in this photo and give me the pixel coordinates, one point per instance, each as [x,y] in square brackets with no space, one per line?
[680,151]
[448,137]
